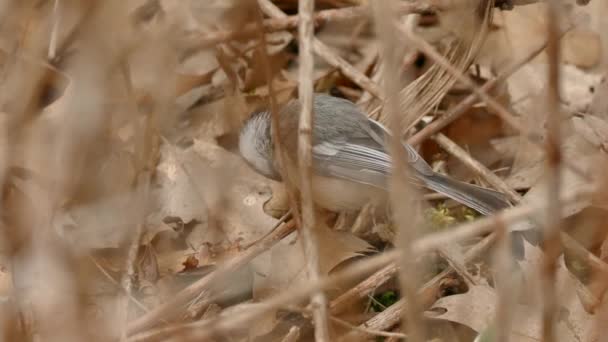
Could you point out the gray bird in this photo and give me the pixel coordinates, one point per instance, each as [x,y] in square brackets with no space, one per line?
[351,165]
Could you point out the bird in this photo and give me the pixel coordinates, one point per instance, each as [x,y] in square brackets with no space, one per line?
[351,164]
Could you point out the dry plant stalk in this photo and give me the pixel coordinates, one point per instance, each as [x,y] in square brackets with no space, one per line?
[83,127]
[290,22]
[426,92]
[478,168]
[488,176]
[207,328]
[493,104]
[328,55]
[551,239]
[401,193]
[167,309]
[462,107]
[305,127]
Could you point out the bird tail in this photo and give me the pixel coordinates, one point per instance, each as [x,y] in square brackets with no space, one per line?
[483,200]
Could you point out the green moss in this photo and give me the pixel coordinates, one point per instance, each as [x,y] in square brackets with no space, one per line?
[384,300]
[441,217]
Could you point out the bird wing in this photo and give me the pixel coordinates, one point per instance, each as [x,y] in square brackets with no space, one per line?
[381,134]
[363,158]
[352,161]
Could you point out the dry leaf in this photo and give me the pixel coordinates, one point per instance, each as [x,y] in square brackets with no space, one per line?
[527,86]
[477,309]
[581,48]
[593,129]
[599,104]
[285,267]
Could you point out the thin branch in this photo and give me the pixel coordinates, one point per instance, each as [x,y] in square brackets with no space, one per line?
[328,55]
[451,147]
[129,276]
[462,107]
[206,328]
[367,330]
[494,105]
[186,295]
[293,335]
[344,301]
[402,194]
[505,284]
[143,195]
[291,22]
[279,151]
[428,292]
[568,242]
[353,327]
[54,30]
[105,273]
[551,239]
[305,132]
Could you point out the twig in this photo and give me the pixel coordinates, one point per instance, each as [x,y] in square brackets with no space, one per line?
[183,297]
[143,194]
[462,107]
[87,13]
[129,276]
[458,267]
[505,284]
[328,55]
[367,330]
[583,254]
[451,147]
[305,132]
[291,22]
[204,329]
[390,316]
[117,283]
[401,193]
[343,302]
[353,327]
[293,335]
[54,30]
[551,238]
[363,219]
[280,154]
[568,242]
[496,107]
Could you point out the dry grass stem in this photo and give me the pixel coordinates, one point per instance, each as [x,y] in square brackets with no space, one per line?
[478,168]
[390,317]
[551,232]
[305,133]
[204,329]
[402,194]
[54,31]
[493,104]
[108,276]
[166,310]
[292,336]
[362,290]
[489,177]
[150,194]
[291,22]
[328,55]
[462,107]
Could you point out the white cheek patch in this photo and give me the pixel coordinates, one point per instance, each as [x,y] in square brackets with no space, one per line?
[249,150]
